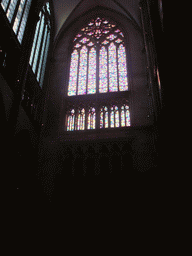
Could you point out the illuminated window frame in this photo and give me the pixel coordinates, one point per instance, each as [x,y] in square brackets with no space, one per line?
[98,60]
[17,14]
[41,42]
[99,40]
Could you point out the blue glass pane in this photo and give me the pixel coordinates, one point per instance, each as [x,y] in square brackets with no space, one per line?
[11,9]
[18,16]
[24,21]
[4,4]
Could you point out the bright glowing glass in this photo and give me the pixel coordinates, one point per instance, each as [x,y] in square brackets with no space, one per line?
[116,117]
[81,120]
[113,87]
[125,116]
[111,37]
[101,118]
[4,4]
[92,72]
[112,118]
[24,21]
[103,70]
[73,73]
[91,119]
[123,84]
[104,117]
[82,71]
[128,123]
[71,120]
[11,9]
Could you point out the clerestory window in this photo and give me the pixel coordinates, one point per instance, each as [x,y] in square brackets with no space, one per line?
[98,66]
[40,47]
[17,14]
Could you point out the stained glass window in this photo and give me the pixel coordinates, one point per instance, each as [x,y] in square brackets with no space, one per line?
[91,118]
[82,71]
[113,87]
[104,117]
[125,116]
[81,119]
[92,72]
[123,84]
[103,70]
[73,73]
[71,120]
[98,65]
[105,40]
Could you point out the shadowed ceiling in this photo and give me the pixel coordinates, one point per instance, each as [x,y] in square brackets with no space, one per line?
[63,9]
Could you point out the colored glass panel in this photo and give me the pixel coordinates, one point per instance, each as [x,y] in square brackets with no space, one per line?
[73,73]
[122,116]
[112,118]
[101,118]
[105,42]
[82,71]
[118,41]
[112,68]
[127,116]
[111,37]
[103,70]
[81,120]
[106,117]
[92,72]
[90,44]
[77,45]
[71,121]
[84,40]
[116,117]
[123,83]
[91,119]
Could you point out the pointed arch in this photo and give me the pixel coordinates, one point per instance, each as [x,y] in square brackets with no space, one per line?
[98,65]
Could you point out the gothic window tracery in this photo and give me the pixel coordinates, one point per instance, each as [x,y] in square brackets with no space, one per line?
[99,66]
